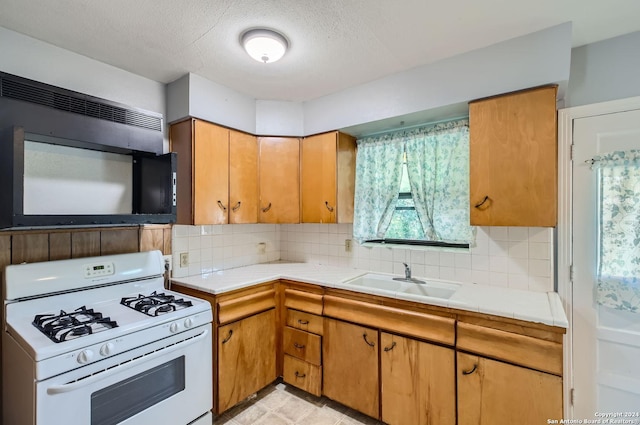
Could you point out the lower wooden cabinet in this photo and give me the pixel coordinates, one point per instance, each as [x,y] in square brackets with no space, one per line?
[304,375]
[246,357]
[350,356]
[417,382]
[493,392]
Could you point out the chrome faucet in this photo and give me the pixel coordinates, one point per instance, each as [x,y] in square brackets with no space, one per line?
[407,276]
[407,271]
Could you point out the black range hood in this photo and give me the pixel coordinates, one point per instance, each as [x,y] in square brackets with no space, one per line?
[33,111]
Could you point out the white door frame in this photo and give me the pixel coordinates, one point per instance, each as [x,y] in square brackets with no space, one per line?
[565,219]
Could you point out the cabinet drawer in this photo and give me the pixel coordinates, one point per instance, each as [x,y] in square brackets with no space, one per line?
[303,345]
[522,350]
[304,321]
[303,301]
[245,306]
[303,375]
[411,323]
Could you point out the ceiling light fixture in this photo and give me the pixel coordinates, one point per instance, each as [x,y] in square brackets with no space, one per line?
[264,45]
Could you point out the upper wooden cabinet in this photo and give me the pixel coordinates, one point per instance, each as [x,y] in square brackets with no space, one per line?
[513,159]
[328,178]
[217,173]
[279,180]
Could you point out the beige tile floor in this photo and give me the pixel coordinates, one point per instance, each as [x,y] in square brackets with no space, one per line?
[281,404]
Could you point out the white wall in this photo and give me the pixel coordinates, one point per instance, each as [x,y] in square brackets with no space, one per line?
[604,71]
[276,118]
[535,59]
[539,58]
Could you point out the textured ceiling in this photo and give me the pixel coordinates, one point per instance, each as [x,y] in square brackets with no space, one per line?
[335,44]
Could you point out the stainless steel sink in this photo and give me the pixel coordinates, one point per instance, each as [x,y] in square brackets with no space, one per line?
[388,284]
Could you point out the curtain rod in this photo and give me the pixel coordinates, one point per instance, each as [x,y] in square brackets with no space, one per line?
[410,127]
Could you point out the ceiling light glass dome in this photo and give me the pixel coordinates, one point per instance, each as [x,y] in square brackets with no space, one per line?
[264,45]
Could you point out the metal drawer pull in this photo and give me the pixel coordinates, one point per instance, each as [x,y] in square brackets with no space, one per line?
[329,207]
[267,208]
[224,341]
[481,203]
[298,346]
[300,375]
[236,207]
[303,322]
[391,347]
[222,207]
[469,372]
[370,344]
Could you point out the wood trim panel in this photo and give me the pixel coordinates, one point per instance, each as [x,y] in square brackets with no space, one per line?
[245,306]
[303,301]
[60,246]
[521,327]
[523,350]
[304,321]
[30,248]
[85,244]
[406,322]
[121,241]
[303,375]
[151,239]
[303,345]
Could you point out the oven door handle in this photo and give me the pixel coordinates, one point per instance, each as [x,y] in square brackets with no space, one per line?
[65,388]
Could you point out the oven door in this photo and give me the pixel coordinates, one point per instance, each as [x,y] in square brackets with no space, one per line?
[169,383]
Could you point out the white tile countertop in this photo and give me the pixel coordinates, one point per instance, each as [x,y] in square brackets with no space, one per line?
[539,307]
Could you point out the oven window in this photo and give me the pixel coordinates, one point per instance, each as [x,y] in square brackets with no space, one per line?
[114,404]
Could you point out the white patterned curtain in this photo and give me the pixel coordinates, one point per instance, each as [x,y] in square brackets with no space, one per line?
[378,172]
[618,275]
[438,167]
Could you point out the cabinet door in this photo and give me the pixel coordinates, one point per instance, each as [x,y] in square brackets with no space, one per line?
[210,173]
[350,363]
[418,382]
[513,159]
[279,180]
[246,357]
[318,181]
[492,392]
[243,178]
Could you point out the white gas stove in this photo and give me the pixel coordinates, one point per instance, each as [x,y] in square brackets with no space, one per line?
[100,341]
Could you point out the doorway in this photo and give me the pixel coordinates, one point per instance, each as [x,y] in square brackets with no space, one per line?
[603,345]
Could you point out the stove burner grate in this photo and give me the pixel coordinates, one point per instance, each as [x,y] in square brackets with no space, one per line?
[155,304]
[78,323]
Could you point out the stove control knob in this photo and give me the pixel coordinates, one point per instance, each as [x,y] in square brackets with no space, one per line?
[107,349]
[188,322]
[174,327]
[85,356]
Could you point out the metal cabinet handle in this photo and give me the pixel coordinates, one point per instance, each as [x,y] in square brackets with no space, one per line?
[469,372]
[481,203]
[298,346]
[391,347]
[300,375]
[303,322]
[370,344]
[267,208]
[329,207]
[236,207]
[222,207]
[224,341]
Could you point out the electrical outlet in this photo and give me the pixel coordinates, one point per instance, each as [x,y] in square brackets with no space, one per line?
[347,245]
[184,259]
[262,248]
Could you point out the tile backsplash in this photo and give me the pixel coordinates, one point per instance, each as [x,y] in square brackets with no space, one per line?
[514,257]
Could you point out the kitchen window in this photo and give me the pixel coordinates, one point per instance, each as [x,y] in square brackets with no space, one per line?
[412,187]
